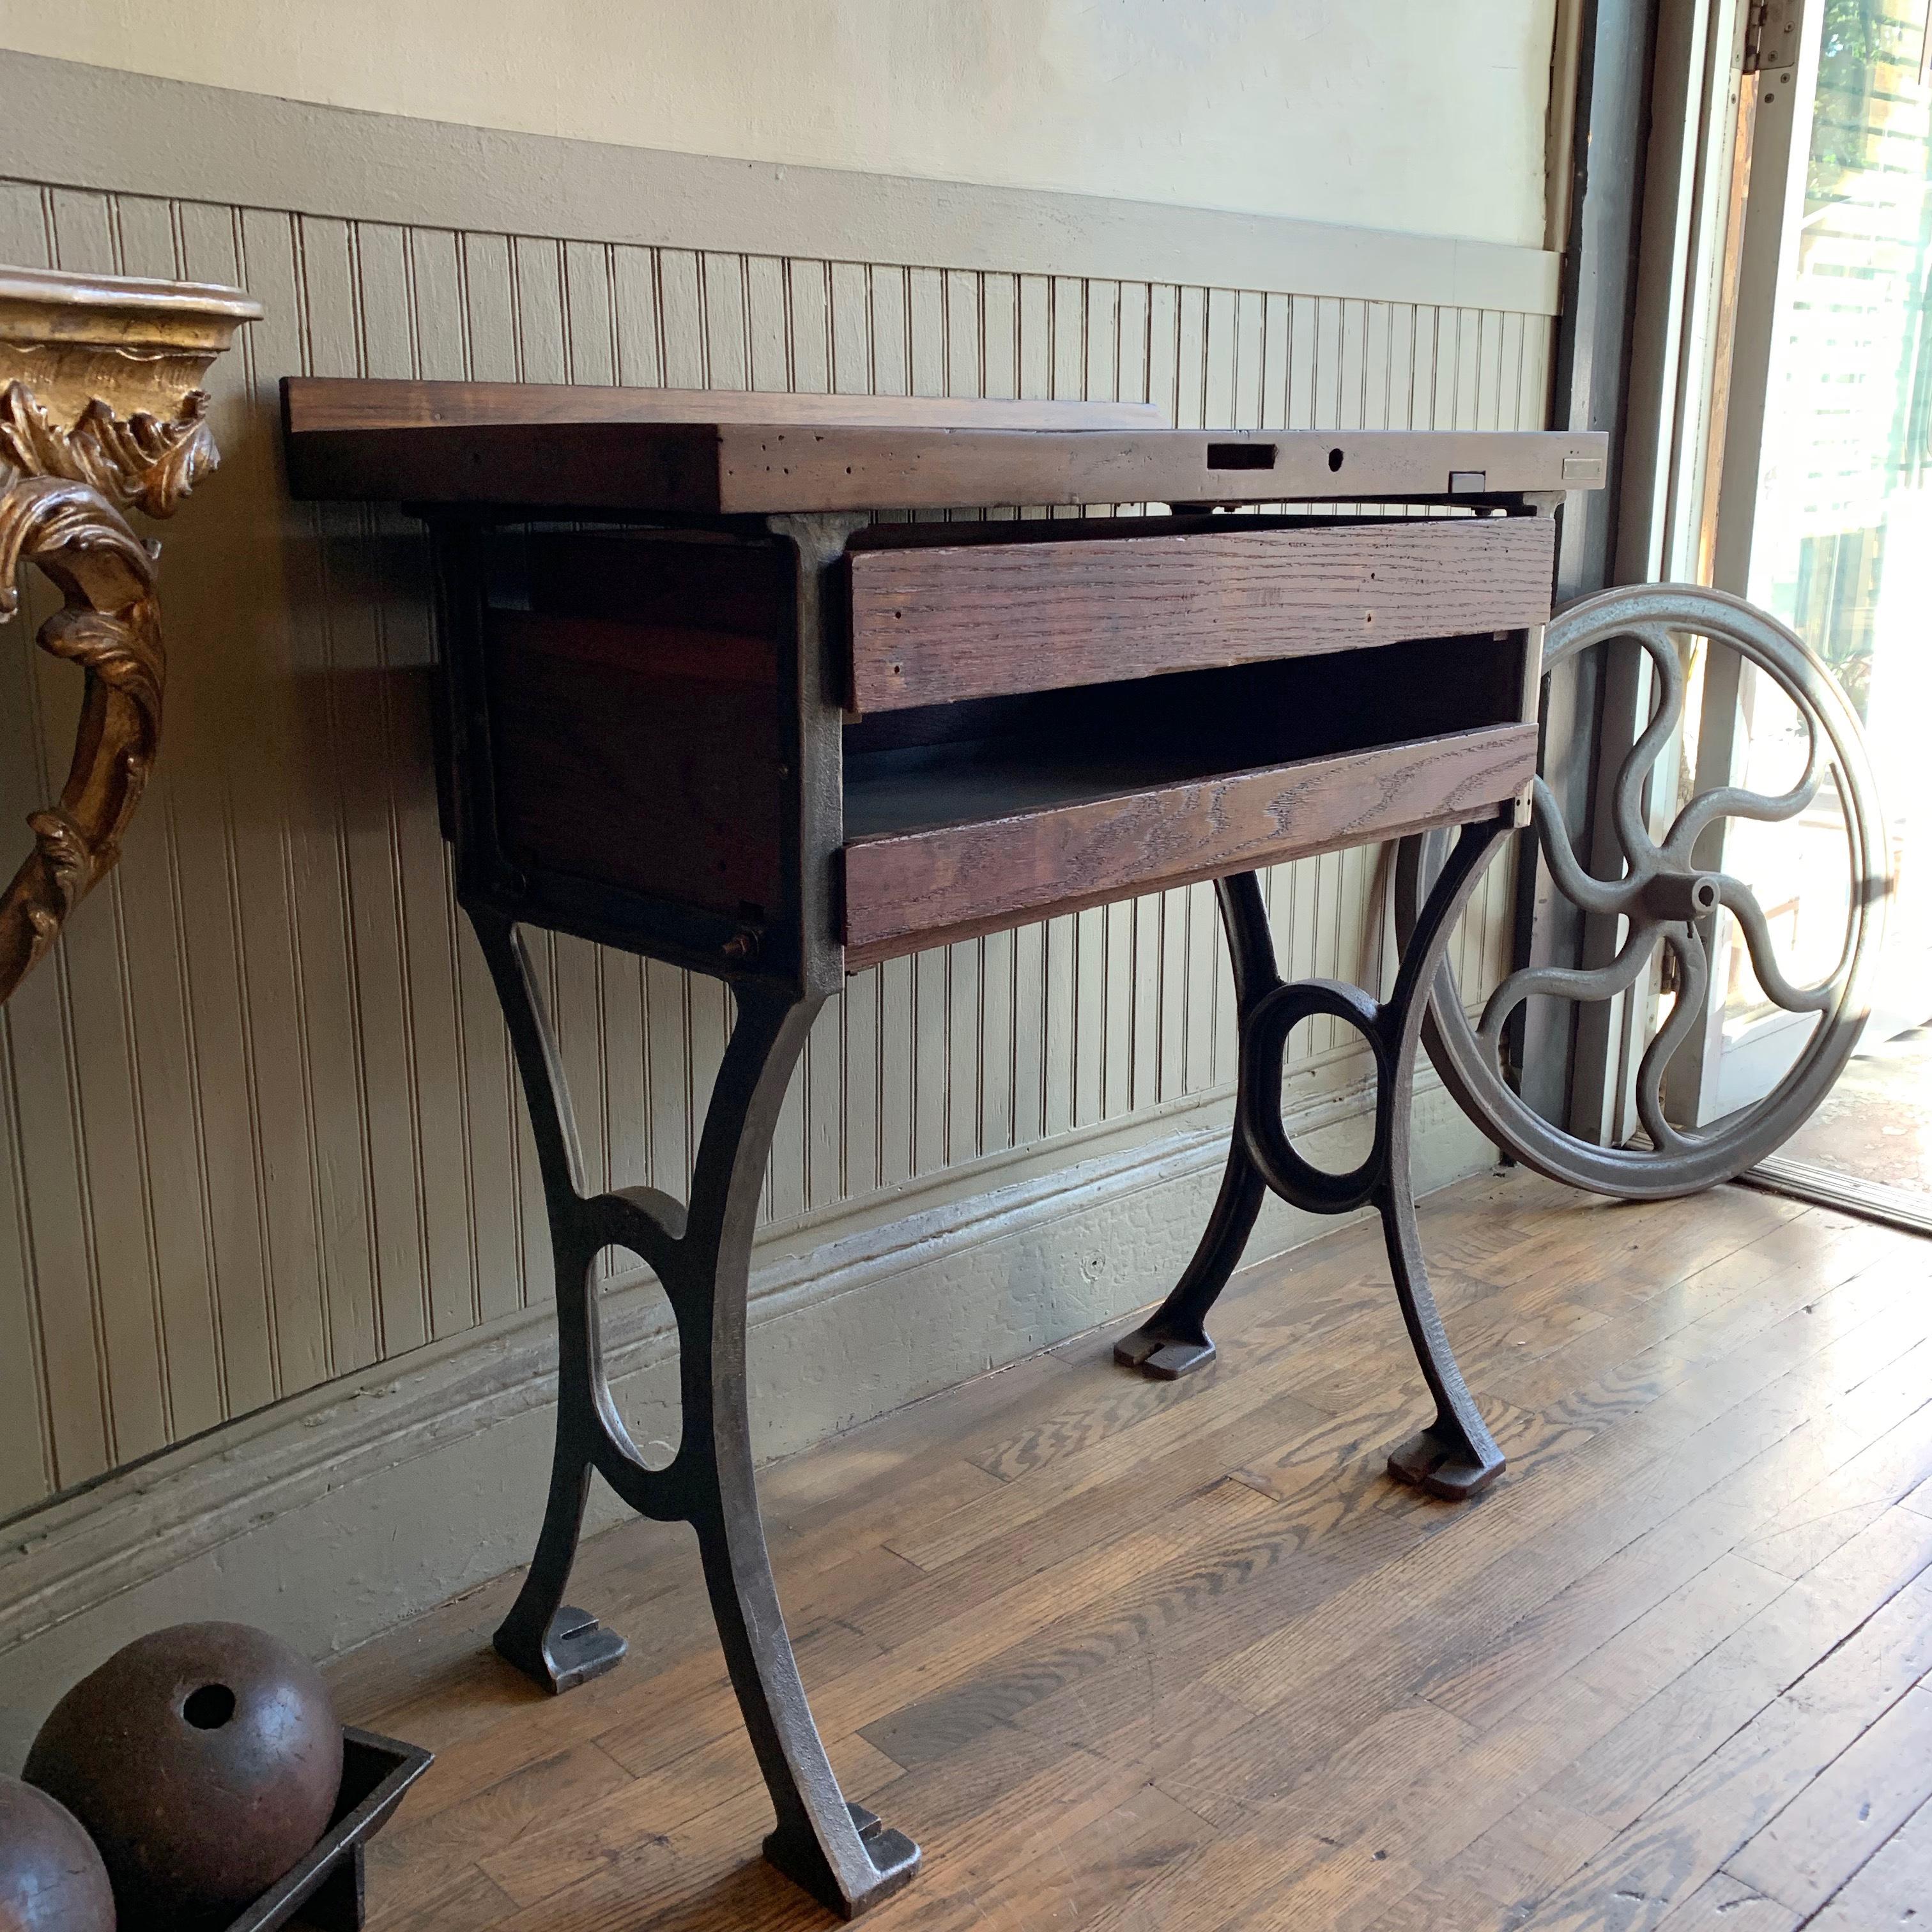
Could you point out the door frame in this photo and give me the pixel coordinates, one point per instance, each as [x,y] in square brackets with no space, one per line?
[1780,110]
[1724,153]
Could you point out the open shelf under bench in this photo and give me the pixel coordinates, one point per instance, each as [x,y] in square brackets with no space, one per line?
[962,818]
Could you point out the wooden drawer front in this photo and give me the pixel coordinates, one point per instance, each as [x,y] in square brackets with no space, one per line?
[905,889]
[930,626]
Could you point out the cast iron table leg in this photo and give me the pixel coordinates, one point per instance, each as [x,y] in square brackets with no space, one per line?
[838,1853]
[1174,1341]
[1455,1455]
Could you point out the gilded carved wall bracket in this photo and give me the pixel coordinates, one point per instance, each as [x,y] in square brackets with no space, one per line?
[79,357]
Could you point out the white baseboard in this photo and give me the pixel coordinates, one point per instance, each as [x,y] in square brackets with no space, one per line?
[333,1516]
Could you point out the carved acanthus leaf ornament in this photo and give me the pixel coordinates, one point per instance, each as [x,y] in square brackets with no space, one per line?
[141,464]
[101,414]
[61,499]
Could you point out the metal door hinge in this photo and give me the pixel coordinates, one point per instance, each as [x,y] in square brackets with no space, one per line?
[1770,36]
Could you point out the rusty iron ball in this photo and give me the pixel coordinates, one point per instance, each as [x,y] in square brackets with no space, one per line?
[205,1759]
[51,1877]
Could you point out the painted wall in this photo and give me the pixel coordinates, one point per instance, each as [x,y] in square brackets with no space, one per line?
[1405,115]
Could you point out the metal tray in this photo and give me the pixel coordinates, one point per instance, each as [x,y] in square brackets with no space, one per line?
[325,1891]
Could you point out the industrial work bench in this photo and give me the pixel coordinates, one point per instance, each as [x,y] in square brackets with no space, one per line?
[699,704]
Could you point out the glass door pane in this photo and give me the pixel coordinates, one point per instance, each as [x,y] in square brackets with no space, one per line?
[1841,550]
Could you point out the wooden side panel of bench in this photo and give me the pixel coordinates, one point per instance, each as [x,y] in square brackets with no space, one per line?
[905,889]
[640,757]
[932,626]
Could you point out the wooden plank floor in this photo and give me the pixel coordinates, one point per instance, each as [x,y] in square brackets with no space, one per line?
[1124,1654]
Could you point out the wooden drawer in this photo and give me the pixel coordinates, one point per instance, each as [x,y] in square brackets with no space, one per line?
[960,819]
[935,621]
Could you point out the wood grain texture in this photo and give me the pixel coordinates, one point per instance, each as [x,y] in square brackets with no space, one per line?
[693,464]
[638,757]
[1892,1889]
[258,1130]
[897,887]
[761,468]
[1829,1832]
[1016,1597]
[311,403]
[932,626]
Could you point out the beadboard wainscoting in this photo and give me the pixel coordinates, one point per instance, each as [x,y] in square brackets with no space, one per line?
[259,1131]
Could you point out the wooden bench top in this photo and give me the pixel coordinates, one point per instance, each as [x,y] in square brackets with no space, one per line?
[725,453]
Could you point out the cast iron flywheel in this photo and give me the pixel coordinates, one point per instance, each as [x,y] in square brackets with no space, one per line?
[1663,896]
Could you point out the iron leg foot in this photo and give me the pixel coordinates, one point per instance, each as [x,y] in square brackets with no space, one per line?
[895,1858]
[1445,1464]
[1163,1357]
[573,1647]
